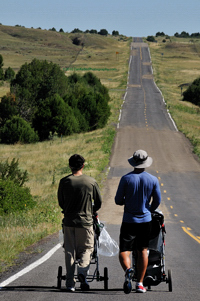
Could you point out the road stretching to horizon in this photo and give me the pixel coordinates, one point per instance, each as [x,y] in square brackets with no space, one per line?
[144,124]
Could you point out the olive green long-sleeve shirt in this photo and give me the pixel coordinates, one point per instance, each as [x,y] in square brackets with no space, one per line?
[79,197]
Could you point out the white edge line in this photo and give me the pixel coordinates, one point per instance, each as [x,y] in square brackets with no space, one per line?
[126,91]
[31,266]
[172,120]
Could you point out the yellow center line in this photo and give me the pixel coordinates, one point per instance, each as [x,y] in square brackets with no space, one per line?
[190,234]
[186,230]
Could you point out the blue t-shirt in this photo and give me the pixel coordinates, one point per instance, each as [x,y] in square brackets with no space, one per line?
[140,194]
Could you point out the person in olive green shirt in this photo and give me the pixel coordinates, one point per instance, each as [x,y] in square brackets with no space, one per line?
[79,197]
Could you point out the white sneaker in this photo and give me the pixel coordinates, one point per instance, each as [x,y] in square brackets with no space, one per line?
[70,289]
[140,289]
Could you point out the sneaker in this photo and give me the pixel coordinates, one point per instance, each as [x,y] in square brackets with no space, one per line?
[140,289]
[128,281]
[84,284]
[70,289]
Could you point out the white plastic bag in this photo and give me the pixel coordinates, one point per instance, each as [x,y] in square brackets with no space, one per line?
[107,245]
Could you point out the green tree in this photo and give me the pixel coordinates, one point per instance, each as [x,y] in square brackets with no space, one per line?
[14,198]
[35,82]
[54,115]
[1,68]
[49,102]
[11,171]
[9,74]
[151,39]
[8,108]
[103,32]
[92,80]
[93,31]
[76,30]
[102,111]
[160,34]
[1,61]
[13,195]
[115,33]
[86,96]
[192,94]
[17,130]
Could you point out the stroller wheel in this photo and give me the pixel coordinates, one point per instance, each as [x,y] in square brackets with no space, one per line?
[169,280]
[105,278]
[59,277]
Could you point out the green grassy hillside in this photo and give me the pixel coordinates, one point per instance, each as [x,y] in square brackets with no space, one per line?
[174,62]
[47,162]
[177,62]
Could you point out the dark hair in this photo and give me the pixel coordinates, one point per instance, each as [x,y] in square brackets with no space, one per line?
[76,162]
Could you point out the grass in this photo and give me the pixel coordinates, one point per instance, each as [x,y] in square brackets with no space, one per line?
[47,162]
[177,62]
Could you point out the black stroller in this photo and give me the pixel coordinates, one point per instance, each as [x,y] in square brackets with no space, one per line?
[155,272]
[94,259]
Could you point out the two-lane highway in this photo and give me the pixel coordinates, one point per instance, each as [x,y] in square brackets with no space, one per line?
[144,124]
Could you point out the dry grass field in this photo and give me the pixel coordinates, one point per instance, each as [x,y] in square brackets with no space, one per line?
[175,62]
[47,162]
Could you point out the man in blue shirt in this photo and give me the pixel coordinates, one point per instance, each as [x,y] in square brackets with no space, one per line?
[139,193]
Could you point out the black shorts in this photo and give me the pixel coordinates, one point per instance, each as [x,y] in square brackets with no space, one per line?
[134,234]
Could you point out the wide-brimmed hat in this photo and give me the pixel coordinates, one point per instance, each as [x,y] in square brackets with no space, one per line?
[140,159]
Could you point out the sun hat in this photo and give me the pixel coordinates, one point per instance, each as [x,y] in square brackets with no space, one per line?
[140,159]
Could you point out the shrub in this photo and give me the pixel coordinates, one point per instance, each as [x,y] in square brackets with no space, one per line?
[14,198]
[9,74]
[151,39]
[103,32]
[17,130]
[54,115]
[12,172]
[192,94]
[8,108]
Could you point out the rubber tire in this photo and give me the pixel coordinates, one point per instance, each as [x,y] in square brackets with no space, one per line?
[170,280]
[105,278]
[59,277]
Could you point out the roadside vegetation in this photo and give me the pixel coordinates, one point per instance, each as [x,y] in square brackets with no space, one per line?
[43,101]
[176,65]
[46,162]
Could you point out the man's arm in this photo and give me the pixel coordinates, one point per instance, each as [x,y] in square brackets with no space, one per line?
[96,197]
[59,194]
[119,197]
[156,197]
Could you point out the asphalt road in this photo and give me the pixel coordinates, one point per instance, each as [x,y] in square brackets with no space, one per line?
[144,124]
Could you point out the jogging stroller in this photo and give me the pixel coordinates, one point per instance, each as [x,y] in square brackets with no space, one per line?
[94,259]
[155,272]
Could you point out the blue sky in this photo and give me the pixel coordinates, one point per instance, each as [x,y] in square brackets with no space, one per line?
[130,17]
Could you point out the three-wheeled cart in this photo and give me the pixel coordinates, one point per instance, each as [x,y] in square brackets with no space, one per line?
[94,260]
